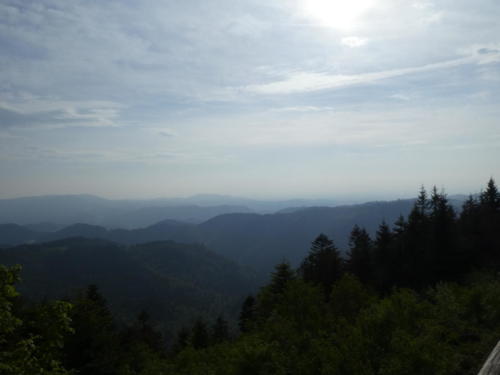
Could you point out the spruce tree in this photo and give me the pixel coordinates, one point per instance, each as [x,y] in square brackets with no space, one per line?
[445,259]
[247,314]
[323,265]
[220,330]
[199,334]
[282,274]
[182,340]
[360,255]
[384,258]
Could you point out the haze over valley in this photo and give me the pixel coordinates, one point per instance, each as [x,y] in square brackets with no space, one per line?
[294,187]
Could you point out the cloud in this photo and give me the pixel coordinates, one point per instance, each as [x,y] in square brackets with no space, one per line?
[402,97]
[309,108]
[353,41]
[58,114]
[310,81]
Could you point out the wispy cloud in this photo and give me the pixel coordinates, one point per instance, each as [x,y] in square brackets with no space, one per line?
[310,81]
[58,114]
[307,108]
[353,41]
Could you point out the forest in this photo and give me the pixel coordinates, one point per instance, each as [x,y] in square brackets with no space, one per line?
[422,296]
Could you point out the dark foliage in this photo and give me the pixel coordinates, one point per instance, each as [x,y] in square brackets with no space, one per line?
[323,266]
[421,298]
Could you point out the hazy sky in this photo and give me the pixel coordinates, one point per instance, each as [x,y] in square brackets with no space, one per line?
[259,98]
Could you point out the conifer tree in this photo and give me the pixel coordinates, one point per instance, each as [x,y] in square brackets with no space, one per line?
[490,198]
[181,340]
[360,255]
[220,330]
[247,314]
[384,258]
[323,265]
[199,334]
[445,259]
[93,348]
[282,274]
[416,254]
[489,228]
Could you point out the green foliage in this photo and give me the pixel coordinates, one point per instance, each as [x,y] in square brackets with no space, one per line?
[199,336]
[323,265]
[220,330]
[360,257]
[408,304]
[247,314]
[432,326]
[348,297]
[31,339]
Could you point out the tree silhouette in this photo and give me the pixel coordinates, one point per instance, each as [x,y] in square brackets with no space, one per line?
[360,257]
[220,330]
[247,314]
[323,265]
[199,335]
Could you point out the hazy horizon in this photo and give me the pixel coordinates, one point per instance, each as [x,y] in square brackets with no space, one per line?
[311,99]
[338,199]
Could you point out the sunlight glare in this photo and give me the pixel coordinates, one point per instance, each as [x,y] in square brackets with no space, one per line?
[339,14]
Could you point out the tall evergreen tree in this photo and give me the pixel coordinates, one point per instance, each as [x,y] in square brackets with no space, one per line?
[220,330]
[282,274]
[385,259]
[490,198]
[489,229]
[181,340]
[446,260]
[272,294]
[93,348]
[416,255]
[247,314]
[360,256]
[323,265]
[199,334]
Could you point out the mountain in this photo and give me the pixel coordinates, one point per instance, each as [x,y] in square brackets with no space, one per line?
[255,240]
[174,282]
[62,210]
[145,216]
[263,240]
[13,234]
[50,213]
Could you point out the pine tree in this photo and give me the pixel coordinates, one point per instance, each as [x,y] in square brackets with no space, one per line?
[490,198]
[323,265]
[416,255]
[282,274]
[489,227]
[247,314]
[445,259]
[181,340]
[93,348]
[199,334]
[360,255]
[220,330]
[384,258]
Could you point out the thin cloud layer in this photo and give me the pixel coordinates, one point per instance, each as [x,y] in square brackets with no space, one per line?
[184,92]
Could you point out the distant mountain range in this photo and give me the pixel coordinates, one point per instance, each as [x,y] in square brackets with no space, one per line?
[251,239]
[55,212]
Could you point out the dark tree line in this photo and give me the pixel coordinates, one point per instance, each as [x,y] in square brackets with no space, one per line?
[433,244]
[421,297]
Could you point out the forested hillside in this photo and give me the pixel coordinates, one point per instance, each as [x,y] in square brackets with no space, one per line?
[254,240]
[174,282]
[422,296]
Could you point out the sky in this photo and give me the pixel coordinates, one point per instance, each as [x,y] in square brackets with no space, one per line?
[257,98]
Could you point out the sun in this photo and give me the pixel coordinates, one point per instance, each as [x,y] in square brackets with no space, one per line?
[339,14]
